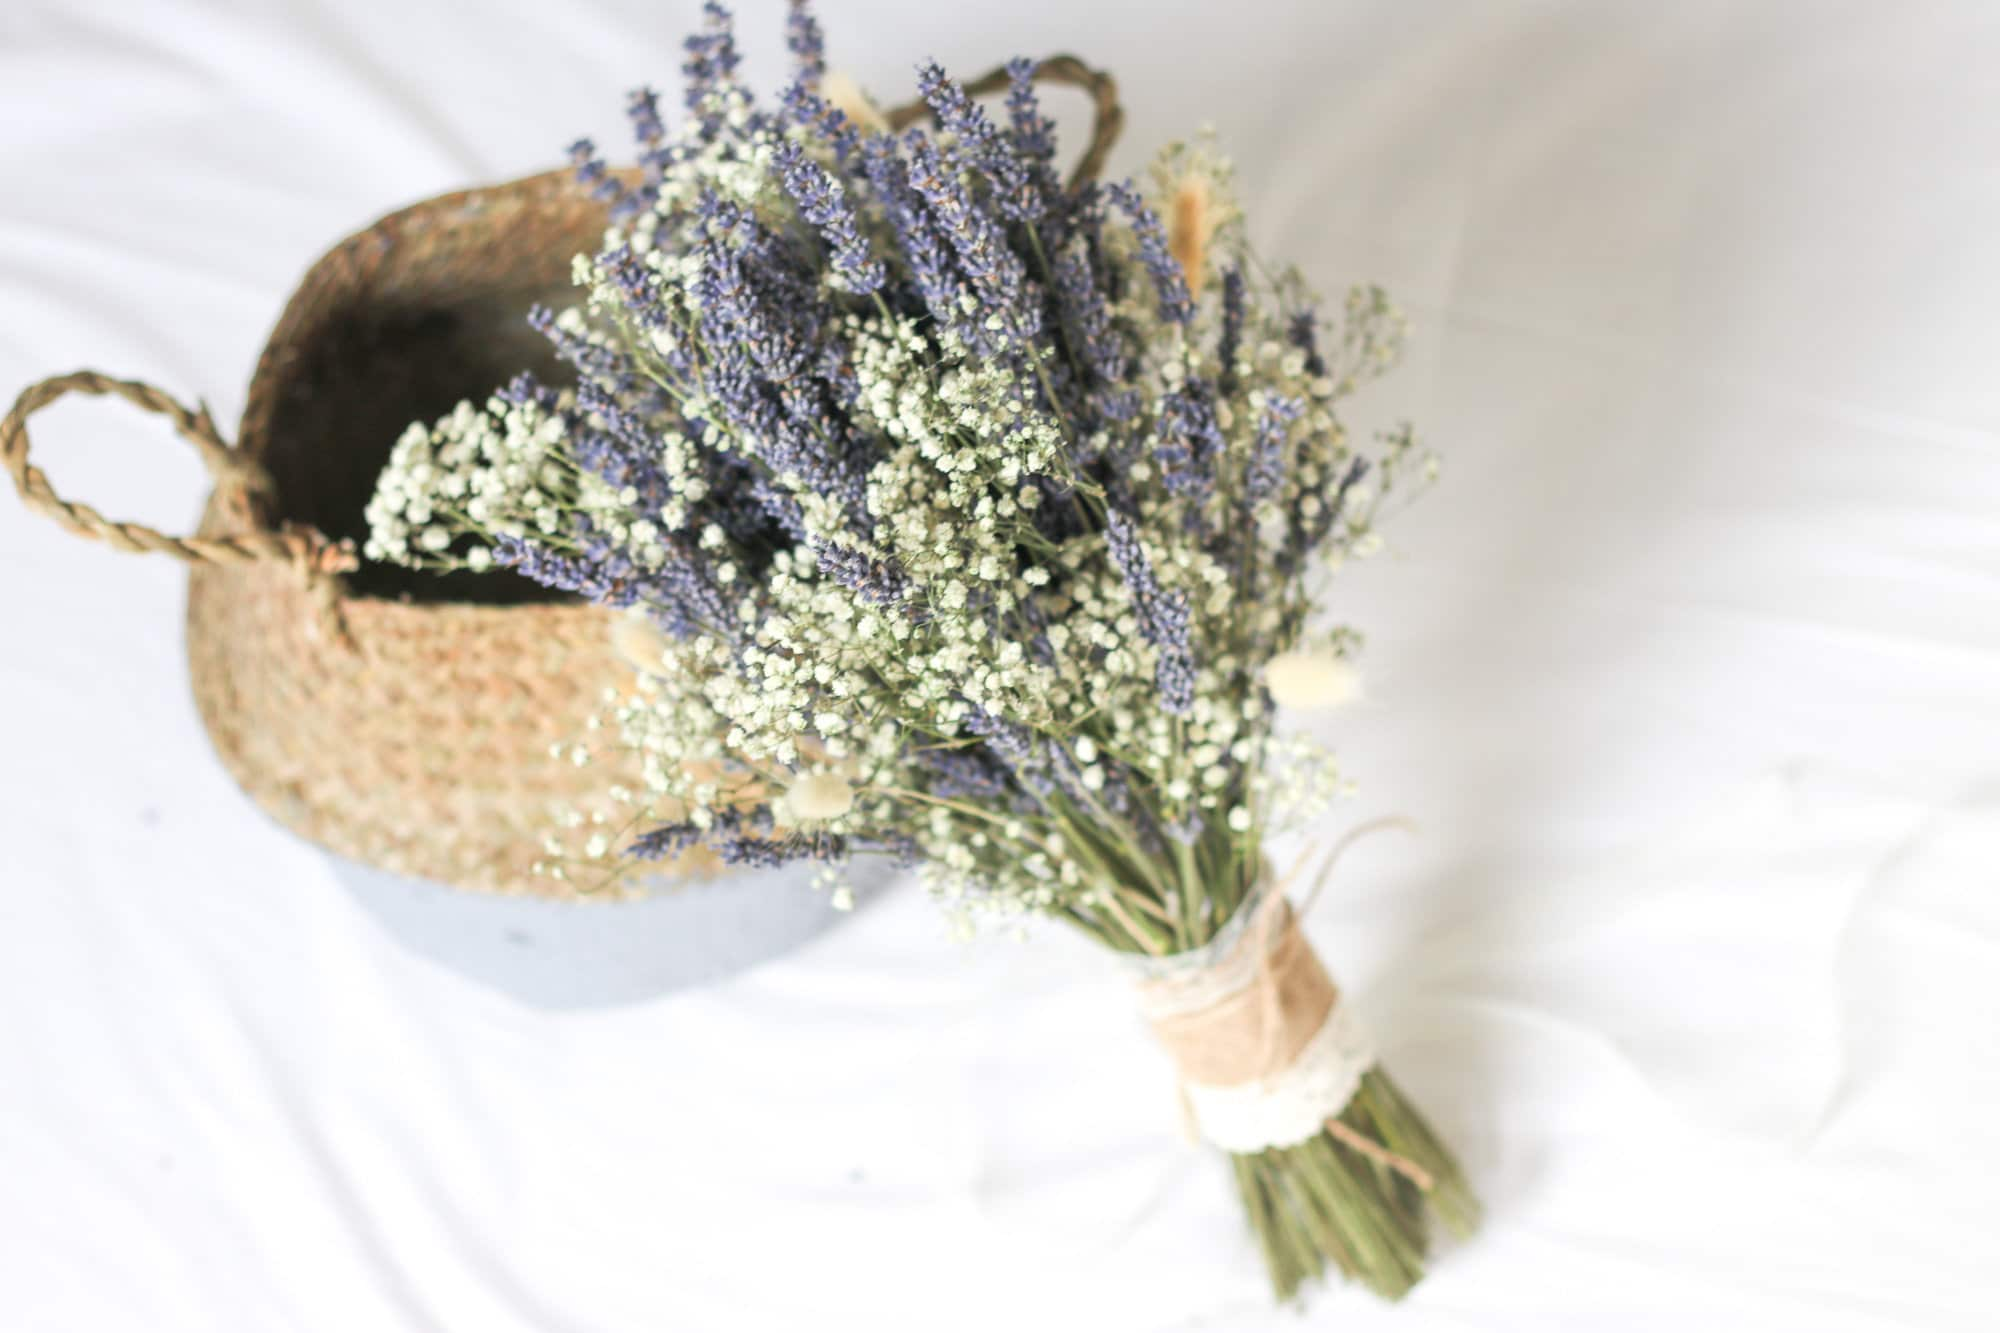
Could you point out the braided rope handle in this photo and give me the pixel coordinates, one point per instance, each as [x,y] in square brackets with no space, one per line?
[291,543]
[1108,115]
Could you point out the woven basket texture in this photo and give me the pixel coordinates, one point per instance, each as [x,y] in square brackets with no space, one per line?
[414,735]
[401,719]
[408,720]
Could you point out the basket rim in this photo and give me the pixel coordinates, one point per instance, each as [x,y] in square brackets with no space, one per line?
[254,430]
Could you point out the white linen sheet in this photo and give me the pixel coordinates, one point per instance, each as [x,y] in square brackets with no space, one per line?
[1689,673]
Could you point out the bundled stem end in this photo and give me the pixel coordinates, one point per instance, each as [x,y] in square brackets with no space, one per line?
[1359,1200]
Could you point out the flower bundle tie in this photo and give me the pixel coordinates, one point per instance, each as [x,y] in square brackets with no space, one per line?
[1265,1051]
[1266,1054]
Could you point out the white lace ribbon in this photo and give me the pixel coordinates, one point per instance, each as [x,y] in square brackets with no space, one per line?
[1285,1106]
[1293,1104]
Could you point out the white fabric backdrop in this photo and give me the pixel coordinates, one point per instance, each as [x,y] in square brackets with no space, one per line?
[1690,672]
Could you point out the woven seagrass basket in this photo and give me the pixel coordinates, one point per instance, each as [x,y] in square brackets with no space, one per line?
[402,720]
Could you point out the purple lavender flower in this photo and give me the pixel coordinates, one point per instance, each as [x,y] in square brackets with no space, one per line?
[1303,333]
[1175,303]
[1190,441]
[938,282]
[763,852]
[732,311]
[649,131]
[1012,749]
[745,404]
[1082,309]
[592,172]
[665,841]
[1164,620]
[901,848]
[740,839]
[969,773]
[804,106]
[836,371]
[711,64]
[1302,535]
[1034,134]
[765,330]
[782,508]
[874,581]
[682,595]
[638,287]
[541,563]
[1265,468]
[618,444]
[1174,675]
[524,389]
[806,42]
[590,359]
[1086,314]
[980,146]
[642,108]
[673,839]
[766,365]
[823,203]
[998,277]
[1010,741]
[1231,341]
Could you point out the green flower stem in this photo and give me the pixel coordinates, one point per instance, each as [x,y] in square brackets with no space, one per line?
[1301,1259]
[1277,1258]
[1186,931]
[1407,1133]
[1323,1202]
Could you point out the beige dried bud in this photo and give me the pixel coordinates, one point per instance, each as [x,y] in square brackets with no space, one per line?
[846,97]
[1190,224]
[640,642]
[820,796]
[1311,680]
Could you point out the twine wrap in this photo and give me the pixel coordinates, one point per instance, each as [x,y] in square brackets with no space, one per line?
[1266,1053]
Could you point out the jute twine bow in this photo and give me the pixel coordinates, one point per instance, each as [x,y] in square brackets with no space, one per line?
[240,482]
[1245,1017]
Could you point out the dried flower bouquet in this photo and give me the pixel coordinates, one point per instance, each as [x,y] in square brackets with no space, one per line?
[970,516]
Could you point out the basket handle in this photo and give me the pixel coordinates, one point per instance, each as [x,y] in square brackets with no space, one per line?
[1108,115]
[293,544]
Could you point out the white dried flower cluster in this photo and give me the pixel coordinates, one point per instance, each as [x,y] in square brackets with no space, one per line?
[838,688]
[917,572]
[501,473]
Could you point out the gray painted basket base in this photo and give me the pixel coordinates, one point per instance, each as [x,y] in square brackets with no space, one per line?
[552,954]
